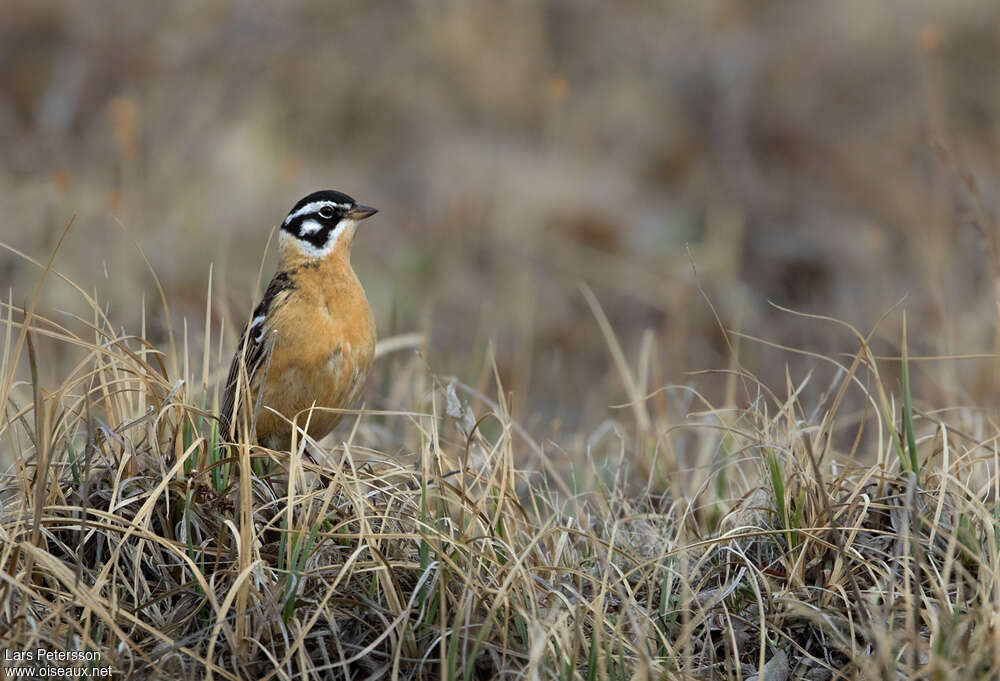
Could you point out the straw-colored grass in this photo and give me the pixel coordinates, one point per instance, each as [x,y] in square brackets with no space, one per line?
[441,541]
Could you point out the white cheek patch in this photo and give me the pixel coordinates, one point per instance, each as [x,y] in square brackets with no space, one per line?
[310,227]
[285,239]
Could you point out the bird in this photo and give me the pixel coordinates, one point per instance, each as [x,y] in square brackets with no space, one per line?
[311,339]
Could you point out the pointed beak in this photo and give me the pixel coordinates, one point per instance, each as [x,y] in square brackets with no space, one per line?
[360,212]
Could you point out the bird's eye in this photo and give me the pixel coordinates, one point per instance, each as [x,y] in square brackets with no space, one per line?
[326,212]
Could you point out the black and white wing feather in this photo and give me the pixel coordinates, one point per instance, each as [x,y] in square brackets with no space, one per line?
[257,339]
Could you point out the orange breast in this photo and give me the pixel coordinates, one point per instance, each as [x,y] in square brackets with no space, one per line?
[324,343]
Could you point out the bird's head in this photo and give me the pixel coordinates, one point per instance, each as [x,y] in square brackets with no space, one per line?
[320,224]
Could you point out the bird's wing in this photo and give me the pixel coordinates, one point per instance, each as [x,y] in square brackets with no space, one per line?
[257,339]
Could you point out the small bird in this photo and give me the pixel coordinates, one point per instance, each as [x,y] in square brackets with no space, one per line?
[311,338]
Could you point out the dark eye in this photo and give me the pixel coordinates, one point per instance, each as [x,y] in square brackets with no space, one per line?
[326,212]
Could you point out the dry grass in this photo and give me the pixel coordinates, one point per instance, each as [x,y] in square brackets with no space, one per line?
[792,507]
[685,541]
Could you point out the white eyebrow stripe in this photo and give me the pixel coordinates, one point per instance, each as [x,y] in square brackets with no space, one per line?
[313,207]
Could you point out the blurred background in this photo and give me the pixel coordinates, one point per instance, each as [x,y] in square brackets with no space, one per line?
[832,158]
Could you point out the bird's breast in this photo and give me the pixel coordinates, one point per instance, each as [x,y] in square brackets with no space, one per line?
[324,346]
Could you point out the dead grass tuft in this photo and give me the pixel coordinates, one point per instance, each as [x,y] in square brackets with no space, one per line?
[441,541]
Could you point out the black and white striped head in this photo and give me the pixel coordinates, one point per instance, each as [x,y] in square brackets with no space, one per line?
[317,223]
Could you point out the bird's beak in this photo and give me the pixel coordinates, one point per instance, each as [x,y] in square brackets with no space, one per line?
[360,212]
